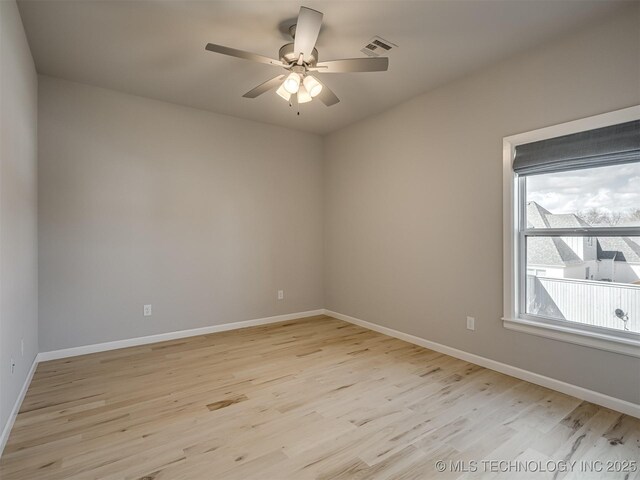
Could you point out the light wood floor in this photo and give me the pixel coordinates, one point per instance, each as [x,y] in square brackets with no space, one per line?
[313,398]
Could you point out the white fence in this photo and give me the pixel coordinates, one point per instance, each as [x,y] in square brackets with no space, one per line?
[583,301]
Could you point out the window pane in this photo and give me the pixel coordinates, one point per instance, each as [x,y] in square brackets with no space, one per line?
[593,281]
[605,196]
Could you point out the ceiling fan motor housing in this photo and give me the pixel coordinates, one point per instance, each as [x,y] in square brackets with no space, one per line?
[297,81]
[288,56]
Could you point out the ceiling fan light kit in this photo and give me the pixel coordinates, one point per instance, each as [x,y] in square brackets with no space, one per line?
[301,57]
[303,95]
[283,93]
[292,83]
[312,85]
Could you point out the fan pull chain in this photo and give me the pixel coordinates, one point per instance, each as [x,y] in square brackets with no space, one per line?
[291,105]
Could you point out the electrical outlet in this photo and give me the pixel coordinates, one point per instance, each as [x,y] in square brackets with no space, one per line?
[471,323]
[13,366]
[147,310]
[280,294]
[22,346]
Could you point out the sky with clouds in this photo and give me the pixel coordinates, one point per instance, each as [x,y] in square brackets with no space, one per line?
[615,189]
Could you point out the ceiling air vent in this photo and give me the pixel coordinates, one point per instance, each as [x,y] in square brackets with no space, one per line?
[378,47]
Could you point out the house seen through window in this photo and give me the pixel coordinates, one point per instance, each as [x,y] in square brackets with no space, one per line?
[587,269]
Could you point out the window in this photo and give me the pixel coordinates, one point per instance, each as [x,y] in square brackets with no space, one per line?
[601,199]
[572,232]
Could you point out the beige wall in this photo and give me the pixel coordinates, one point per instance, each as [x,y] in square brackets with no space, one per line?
[203,216]
[413,202]
[18,190]
[206,216]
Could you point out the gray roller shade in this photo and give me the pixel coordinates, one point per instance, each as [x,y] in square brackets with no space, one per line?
[594,148]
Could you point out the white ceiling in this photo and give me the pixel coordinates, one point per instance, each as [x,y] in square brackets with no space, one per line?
[156,48]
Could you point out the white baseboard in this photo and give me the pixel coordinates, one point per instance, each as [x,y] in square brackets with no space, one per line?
[598,398]
[623,406]
[162,337]
[16,406]
[132,342]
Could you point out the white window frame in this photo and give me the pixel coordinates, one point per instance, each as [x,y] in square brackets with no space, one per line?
[627,343]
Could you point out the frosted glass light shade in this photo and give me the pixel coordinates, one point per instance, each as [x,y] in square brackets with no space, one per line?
[292,83]
[283,93]
[312,85]
[303,95]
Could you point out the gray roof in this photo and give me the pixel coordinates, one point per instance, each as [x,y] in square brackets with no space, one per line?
[540,217]
[565,220]
[537,216]
[621,249]
[555,252]
[550,250]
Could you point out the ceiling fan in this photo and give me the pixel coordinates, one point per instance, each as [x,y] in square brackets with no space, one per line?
[299,59]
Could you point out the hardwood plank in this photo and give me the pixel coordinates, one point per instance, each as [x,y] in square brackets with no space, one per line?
[305,399]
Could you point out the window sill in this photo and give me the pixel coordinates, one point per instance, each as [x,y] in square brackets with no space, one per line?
[610,343]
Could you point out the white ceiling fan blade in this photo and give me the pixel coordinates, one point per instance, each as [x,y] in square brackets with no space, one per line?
[307,31]
[326,96]
[212,47]
[379,64]
[264,87]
